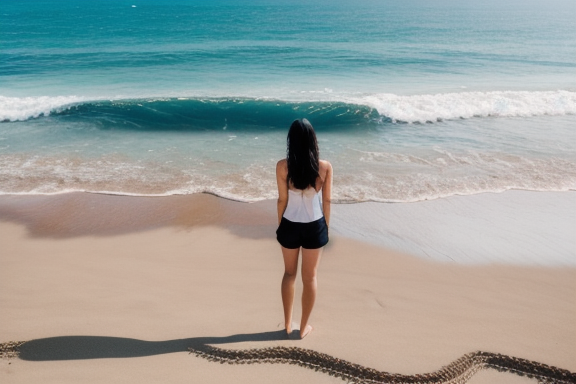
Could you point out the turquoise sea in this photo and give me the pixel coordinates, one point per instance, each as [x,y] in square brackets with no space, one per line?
[411,100]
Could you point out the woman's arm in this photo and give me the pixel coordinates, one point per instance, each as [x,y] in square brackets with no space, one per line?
[327,191]
[282,181]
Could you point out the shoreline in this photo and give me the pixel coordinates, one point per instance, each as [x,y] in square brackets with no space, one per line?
[259,200]
[514,227]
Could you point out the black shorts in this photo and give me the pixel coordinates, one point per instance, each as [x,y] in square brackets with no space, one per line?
[311,235]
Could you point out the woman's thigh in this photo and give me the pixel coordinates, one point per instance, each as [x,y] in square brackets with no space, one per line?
[290,260]
[310,262]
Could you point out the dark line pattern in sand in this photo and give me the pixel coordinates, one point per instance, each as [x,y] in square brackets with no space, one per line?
[457,372]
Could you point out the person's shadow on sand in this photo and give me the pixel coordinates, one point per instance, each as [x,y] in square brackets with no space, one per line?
[104,347]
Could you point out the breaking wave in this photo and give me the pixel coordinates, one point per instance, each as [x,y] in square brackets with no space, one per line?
[210,113]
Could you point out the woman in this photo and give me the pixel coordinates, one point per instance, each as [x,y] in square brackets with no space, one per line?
[302,220]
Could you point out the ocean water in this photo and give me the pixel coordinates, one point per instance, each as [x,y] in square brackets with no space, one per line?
[412,100]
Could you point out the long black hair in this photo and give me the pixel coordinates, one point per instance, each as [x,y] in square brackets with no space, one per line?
[302,155]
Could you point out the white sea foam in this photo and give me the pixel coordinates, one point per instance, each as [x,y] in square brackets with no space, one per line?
[445,106]
[384,177]
[24,108]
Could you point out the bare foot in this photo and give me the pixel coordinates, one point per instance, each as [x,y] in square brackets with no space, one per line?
[289,329]
[306,331]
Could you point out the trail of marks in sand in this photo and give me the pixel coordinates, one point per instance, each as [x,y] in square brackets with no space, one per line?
[457,372]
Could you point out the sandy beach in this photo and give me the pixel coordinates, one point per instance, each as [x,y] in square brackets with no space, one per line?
[115,289]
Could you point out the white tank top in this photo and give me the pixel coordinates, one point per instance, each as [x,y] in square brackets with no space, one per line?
[303,205]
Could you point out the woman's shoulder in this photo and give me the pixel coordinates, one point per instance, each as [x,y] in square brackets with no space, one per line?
[282,166]
[324,165]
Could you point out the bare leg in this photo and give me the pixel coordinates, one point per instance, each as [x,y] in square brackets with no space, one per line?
[310,262]
[290,270]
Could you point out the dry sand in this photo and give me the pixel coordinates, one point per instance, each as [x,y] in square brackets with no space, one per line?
[138,280]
